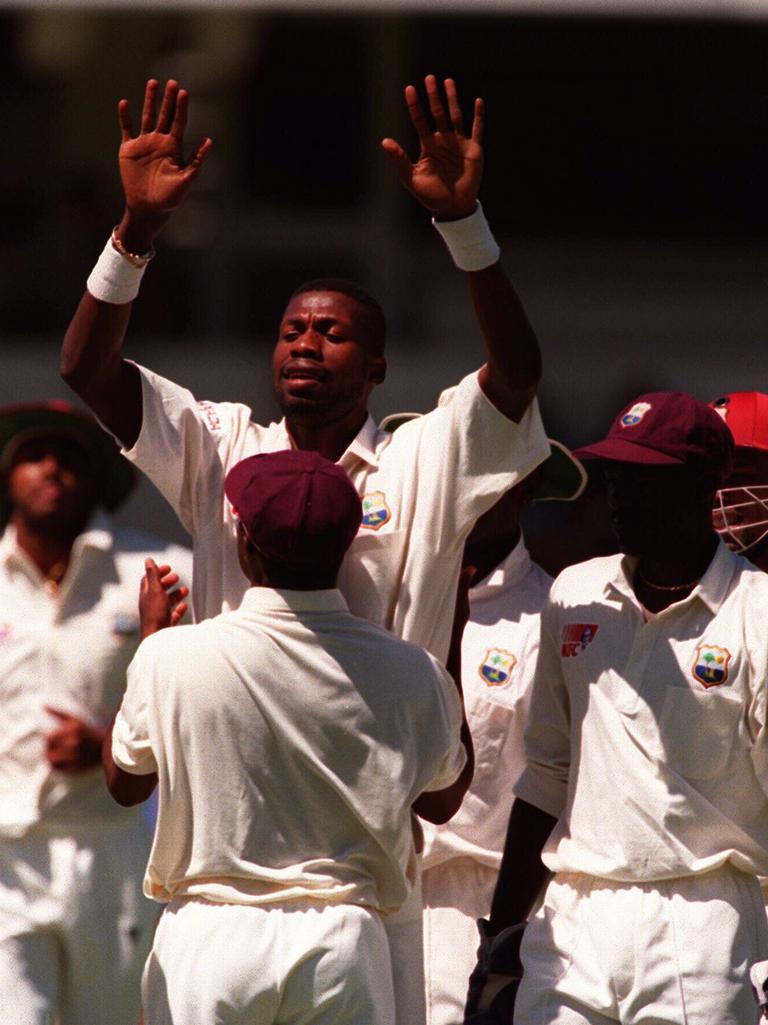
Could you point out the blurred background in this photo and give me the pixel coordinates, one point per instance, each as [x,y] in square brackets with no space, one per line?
[625,178]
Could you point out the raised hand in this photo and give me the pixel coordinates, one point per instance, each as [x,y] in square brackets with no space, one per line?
[159,605]
[155,176]
[447,174]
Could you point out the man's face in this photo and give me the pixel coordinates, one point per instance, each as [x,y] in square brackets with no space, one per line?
[740,510]
[323,367]
[51,484]
[654,510]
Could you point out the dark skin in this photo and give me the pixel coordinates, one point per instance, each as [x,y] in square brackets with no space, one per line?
[161,604]
[156,180]
[50,487]
[160,607]
[662,516]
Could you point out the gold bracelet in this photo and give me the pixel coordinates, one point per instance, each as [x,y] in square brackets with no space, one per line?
[138,260]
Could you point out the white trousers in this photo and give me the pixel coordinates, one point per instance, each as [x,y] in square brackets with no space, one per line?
[293,963]
[456,894]
[406,952]
[75,927]
[675,952]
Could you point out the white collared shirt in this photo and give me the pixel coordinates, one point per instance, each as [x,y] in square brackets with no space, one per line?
[422,488]
[290,739]
[498,661]
[69,651]
[647,735]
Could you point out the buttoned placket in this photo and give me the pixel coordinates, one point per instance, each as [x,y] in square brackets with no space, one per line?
[650,629]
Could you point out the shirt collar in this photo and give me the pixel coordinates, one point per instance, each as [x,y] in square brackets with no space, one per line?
[362,446]
[270,599]
[97,534]
[509,572]
[713,588]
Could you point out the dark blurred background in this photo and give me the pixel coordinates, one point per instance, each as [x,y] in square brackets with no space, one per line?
[625,178]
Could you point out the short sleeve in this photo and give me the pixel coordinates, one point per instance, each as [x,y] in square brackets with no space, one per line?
[131,745]
[544,781]
[467,454]
[453,756]
[184,445]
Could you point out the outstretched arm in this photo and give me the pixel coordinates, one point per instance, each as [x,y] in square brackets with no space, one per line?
[446,180]
[156,180]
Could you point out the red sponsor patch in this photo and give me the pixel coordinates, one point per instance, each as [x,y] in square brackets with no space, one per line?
[576,636]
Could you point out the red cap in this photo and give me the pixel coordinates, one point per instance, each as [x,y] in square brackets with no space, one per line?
[297,508]
[746,413]
[666,429]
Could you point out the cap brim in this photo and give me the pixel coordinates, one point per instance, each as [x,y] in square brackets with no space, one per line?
[620,451]
[562,477]
[115,477]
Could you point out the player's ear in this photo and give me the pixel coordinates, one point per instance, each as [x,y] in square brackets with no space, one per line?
[378,369]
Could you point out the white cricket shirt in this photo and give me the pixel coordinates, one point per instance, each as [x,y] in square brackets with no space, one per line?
[71,652]
[498,660]
[291,739]
[422,489]
[647,733]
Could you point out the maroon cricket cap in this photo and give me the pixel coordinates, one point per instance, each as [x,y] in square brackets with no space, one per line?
[746,413]
[667,428]
[297,508]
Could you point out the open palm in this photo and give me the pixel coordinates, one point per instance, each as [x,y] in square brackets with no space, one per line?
[155,176]
[447,174]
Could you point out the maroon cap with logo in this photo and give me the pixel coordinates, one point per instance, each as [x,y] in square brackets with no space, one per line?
[666,429]
[297,508]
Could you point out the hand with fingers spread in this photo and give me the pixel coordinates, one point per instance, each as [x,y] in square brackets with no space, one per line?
[447,174]
[159,605]
[155,176]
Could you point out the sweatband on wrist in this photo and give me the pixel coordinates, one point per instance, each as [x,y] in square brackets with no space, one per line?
[470,241]
[114,279]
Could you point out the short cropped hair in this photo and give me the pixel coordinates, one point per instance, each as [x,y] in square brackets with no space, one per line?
[376,320]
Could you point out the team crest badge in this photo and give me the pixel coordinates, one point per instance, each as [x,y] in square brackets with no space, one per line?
[576,637]
[496,668]
[634,415]
[710,666]
[376,512]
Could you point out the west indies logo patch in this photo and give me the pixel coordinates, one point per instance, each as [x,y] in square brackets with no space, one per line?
[576,637]
[710,666]
[634,415]
[376,512]
[496,668]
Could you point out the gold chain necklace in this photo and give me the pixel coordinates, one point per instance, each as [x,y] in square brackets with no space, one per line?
[666,587]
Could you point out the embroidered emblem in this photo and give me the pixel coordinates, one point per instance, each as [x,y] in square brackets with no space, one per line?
[6,629]
[634,415]
[212,417]
[496,668]
[124,624]
[375,510]
[576,636]
[710,666]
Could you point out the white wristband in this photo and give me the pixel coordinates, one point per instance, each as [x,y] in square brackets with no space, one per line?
[470,241]
[114,279]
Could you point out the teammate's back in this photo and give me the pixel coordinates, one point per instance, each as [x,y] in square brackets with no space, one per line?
[290,739]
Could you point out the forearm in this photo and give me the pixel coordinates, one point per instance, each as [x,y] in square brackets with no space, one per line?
[522,874]
[438,806]
[513,359]
[92,365]
[126,788]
